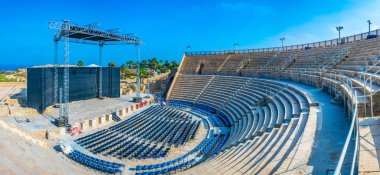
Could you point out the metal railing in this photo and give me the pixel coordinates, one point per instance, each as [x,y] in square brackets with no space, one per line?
[288,61]
[354,129]
[336,57]
[262,67]
[368,82]
[242,64]
[327,43]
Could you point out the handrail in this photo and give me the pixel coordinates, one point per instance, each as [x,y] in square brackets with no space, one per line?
[327,43]
[338,55]
[267,63]
[283,64]
[348,79]
[372,66]
[345,147]
[369,81]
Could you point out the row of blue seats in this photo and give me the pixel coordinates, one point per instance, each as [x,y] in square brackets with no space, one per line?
[169,169]
[215,121]
[160,165]
[175,161]
[136,150]
[200,111]
[194,130]
[129,124]
[187,133]
[157,125]
[206,108]
[224,118]
[95,163]
[178,103]
[224,140]
[211,145]
[203,144]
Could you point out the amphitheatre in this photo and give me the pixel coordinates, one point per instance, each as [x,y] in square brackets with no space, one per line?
[310,108]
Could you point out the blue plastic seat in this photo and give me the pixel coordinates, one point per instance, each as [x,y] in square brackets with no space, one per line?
[106,169]
[164,164]
[152,166]
[101,167]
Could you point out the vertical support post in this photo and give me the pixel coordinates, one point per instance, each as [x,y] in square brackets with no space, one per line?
[60,102]
[100,95]
[372,94]
[365,95]
[55,99]
[138,71]
[369,27]
[43,88]
[236,46]
[339,37]
[66,80]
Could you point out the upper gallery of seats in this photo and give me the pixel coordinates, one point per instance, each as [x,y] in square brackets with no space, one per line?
[321,55]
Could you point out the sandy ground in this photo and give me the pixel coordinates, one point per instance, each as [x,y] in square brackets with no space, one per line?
[21,156]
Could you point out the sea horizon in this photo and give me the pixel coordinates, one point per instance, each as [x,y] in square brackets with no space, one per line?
[12,67]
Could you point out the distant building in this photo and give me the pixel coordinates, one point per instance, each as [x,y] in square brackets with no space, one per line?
[21,70]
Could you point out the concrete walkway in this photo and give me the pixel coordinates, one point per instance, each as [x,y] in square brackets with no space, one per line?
[332,126]
[369,150]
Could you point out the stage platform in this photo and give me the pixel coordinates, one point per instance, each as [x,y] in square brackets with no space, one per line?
[79,111]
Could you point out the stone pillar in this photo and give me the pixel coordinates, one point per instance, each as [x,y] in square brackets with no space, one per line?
[121,112]
[102,119]
[84,125]
[108,117]
[93,123]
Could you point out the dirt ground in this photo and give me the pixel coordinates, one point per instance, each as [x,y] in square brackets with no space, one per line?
[13,99]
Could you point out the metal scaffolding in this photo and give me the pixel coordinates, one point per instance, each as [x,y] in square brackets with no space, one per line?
[88,34]
[100,70]
[138,71]
[55,99]
[66,80]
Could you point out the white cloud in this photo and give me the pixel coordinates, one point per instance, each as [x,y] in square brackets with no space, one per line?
[323,27]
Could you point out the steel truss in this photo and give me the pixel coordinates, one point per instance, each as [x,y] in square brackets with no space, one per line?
[88,34]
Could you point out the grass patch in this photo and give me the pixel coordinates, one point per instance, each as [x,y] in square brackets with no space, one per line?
[3,78]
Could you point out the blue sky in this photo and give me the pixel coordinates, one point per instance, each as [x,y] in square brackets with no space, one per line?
[167,27]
